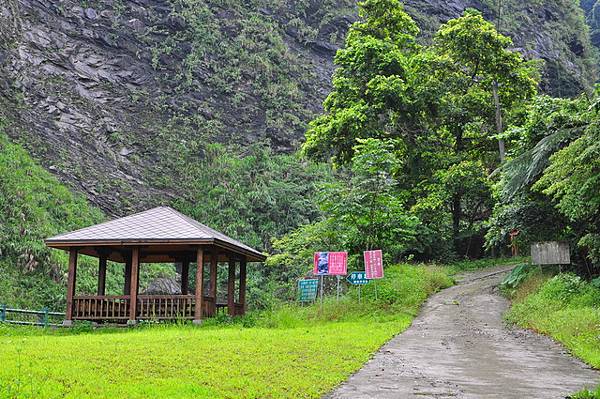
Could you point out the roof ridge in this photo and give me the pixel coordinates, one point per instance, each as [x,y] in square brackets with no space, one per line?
[185,218]
[194,223]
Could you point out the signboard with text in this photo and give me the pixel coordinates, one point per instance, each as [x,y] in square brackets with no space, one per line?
[308,290]
[550,253]
[374,264]
[331,263]
[358,278]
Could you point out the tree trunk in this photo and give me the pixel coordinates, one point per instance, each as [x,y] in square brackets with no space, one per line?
[456,217]
[499,126]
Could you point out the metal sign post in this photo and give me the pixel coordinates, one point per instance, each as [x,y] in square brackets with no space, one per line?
[321,290]
[375,283]
[360,279]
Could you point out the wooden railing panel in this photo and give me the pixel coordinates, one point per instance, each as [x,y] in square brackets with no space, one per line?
[165,307]
[149,307]
[100,307]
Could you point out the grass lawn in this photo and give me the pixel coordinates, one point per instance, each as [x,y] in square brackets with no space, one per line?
[290,352]
[186,362]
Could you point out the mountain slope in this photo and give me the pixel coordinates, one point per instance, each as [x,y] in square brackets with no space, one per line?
[194,103]
[592,12]
[115,96]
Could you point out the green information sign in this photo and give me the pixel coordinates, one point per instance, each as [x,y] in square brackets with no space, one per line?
[358,278]
[308,290]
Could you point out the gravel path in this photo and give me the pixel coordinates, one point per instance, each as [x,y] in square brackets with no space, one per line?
[459,347]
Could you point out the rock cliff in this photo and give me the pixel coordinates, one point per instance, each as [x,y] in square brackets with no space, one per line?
[112,95]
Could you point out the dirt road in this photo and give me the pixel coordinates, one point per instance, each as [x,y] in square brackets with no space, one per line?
[459,347]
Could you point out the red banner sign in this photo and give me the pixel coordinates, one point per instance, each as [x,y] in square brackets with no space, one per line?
[374,264]
[331,263]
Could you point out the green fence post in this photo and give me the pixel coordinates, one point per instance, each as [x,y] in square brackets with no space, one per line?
[3,313]
[45,310]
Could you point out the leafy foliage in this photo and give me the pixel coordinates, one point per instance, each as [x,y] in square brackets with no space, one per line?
[34,206]
[516,276]
[361,211]
[549,189]
[370,86]
[434,105]
[573,181]
[258,194]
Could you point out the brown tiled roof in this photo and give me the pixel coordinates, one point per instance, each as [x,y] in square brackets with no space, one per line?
[162,224]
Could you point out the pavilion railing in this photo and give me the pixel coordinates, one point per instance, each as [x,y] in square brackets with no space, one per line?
[101,307]
[165,307]
[149,307]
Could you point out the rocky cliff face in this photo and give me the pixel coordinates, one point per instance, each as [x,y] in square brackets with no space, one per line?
[554,31]
[111,95]
[592,13]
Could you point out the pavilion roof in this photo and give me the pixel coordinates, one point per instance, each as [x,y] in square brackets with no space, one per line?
[161,225]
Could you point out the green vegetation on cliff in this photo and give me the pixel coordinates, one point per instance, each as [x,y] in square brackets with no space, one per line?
[410,122]
[33,206]
[258,195]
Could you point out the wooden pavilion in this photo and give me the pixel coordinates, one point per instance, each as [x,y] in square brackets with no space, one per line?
[159,235]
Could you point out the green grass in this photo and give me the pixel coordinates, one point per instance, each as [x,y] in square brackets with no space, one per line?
[472,265]
[189,362]
[587,394]
[290,352]
[564,307]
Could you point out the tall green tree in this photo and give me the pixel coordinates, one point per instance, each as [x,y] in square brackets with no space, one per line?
[549,187]
[472,64]
[372,85]
[362,211]
[437,105]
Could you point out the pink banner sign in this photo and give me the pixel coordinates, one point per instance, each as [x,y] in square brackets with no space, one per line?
[331,263]
[374,264]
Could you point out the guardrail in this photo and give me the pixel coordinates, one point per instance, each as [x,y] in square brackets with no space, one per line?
[36,317]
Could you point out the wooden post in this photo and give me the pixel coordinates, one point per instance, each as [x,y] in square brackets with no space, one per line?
[213,277]
[199,295]
[243,284]
[102,275]
[185,276]
[133,285]
[127,286]
[231,287]
[71,282]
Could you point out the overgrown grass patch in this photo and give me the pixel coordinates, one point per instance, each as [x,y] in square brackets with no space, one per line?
[478,264]
[587,394]
[290,352]
[564,307]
